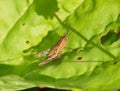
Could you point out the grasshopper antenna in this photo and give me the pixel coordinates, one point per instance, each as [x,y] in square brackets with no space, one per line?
[68,33]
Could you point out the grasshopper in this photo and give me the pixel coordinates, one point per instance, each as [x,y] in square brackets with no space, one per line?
[55,51]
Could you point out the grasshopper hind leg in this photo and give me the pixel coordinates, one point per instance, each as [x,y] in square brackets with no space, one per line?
[41,53]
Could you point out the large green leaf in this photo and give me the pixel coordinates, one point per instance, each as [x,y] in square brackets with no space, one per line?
[27,27]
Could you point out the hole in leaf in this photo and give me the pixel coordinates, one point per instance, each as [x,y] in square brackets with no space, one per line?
[47,8]
[115,62]
[27,42]
[23,24]
[79,58]
[109,38]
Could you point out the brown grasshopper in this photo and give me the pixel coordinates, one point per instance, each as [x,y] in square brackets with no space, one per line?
[53,52]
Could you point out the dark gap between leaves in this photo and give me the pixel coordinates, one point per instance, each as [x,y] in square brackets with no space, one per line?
[109,38]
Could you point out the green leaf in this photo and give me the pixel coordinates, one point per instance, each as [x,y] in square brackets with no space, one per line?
[90,60]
